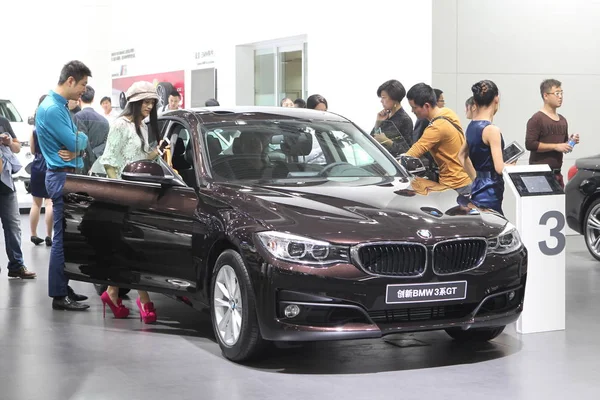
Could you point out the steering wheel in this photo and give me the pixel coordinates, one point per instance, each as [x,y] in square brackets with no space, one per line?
[325,171]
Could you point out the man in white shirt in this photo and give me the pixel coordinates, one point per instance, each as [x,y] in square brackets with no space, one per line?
[108,113]
[174,101]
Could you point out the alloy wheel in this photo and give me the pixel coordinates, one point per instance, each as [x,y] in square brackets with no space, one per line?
[592,227]
[227,305]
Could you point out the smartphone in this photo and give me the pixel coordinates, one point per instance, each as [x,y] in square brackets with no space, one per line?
[163,145]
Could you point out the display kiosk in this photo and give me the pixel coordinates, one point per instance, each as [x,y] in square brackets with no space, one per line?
[535,203]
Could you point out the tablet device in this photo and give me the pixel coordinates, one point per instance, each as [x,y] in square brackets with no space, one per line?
[512,152]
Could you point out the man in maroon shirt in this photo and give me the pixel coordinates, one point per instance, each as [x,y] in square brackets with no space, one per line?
[548,132]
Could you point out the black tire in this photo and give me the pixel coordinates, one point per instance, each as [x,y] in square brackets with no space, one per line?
[250,344]
[122,100]
[163,89]
[475,334]
[589,235]
[102,288]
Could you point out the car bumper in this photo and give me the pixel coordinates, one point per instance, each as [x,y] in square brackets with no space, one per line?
[353,306]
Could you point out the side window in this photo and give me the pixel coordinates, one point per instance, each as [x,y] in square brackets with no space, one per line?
[161,128]
[182,153]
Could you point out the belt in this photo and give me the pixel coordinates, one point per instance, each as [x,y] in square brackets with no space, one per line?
[70,170]
[556,171]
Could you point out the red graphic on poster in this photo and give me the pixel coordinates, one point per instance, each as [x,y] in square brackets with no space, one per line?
[164,82]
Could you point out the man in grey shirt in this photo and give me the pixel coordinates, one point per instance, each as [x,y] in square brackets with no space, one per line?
[94,125]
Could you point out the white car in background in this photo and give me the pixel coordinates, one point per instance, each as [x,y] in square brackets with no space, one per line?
[23,131]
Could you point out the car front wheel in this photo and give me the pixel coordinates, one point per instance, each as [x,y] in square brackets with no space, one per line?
[591,229]
[474,334]
[233,310]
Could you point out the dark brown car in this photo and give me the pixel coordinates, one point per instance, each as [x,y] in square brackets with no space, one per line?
[295,225]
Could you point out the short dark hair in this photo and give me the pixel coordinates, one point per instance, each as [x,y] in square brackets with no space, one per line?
[175,93]
[211,103]
[300,103]
[76,69]
[470,102]
[313,101]
[394,89]
[88,96]
[106,98]
[548,84]
[484,92]
[438,93]
[422,93]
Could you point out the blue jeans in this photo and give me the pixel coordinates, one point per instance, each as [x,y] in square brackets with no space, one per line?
[57,282]
[11,223]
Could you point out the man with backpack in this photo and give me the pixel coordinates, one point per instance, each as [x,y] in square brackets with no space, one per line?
[443,137]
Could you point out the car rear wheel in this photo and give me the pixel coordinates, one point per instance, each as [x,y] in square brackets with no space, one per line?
[592,229]
[474,334]
[233,311]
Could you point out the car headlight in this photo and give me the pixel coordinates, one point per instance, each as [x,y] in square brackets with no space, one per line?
[507,242]
[298,249]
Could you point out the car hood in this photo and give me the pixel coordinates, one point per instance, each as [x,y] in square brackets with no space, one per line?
[592,163]
[351,210]
[22,131]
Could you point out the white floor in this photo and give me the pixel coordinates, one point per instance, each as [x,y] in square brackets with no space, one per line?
[49,355]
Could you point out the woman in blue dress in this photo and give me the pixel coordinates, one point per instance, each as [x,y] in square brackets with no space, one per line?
[481,155]
[39,193]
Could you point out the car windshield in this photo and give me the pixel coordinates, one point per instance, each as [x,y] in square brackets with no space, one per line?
[8,111]
[293,150]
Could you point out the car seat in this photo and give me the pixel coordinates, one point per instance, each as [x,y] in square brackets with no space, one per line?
[293,145]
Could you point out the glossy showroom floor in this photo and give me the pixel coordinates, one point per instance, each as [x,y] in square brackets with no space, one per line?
[49,355]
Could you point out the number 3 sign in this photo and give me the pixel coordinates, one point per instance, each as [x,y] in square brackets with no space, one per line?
[555,232]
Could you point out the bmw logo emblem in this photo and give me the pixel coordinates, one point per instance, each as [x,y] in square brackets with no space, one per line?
[424,233]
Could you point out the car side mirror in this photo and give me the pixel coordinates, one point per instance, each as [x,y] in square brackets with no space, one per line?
[149,172]
[413,165]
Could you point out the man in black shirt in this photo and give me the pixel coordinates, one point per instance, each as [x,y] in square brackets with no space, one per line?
[94,125]
[393,126]
[9,206]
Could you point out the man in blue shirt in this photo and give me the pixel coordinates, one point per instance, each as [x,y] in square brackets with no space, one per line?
[61,145]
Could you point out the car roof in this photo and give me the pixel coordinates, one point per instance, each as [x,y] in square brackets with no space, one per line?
[209,115]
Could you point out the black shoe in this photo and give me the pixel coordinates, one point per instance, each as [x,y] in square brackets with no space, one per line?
[48,241]
[66,303]
[36,240]
[74,296]
[21,273]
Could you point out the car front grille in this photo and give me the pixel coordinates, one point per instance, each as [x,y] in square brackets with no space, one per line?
[421,313]
[393,259]
[455,256]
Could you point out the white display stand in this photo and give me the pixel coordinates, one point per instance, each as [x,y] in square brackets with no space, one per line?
[539,215]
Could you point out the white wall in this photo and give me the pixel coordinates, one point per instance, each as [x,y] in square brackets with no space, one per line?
[517,44]
[351,50]
[40,37]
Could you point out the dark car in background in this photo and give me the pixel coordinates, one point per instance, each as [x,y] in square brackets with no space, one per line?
[305,229]
[583,202]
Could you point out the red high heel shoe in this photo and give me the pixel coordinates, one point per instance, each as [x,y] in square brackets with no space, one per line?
[119,310]
[147,311]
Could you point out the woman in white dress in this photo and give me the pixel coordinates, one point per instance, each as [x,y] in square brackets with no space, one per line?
[128,141]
